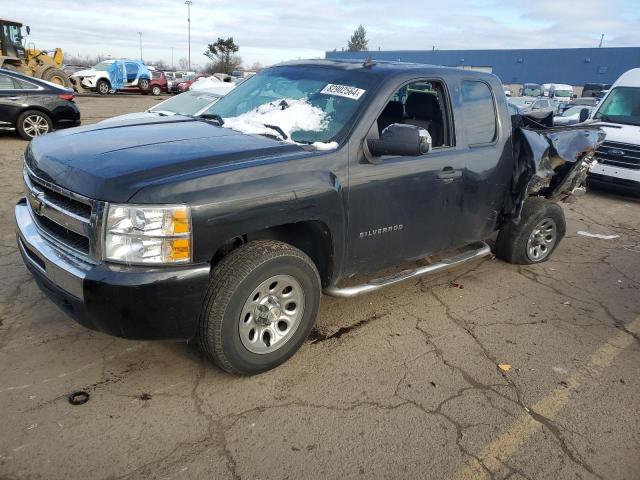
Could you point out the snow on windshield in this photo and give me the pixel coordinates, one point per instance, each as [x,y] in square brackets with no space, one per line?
[282,116]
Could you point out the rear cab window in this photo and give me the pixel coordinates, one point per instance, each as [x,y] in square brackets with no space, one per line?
[479,113]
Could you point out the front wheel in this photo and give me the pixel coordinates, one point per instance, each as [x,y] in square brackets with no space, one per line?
[533,240]
[103,87]
[261,304]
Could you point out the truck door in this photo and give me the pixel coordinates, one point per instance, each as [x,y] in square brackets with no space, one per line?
[405,207]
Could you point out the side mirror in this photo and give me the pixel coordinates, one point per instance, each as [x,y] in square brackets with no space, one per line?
[28,29]
[401,140]
[584,115]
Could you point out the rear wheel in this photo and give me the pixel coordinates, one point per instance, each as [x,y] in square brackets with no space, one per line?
[33,123]
[535,237]
[143,84]
[261,304]
[103,87]
[156,90]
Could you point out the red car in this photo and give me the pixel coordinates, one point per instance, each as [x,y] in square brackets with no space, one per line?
[157,85]
[184,86]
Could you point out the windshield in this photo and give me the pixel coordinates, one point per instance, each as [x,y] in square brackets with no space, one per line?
[102,66]
[12,34]
[563,93]
[532,91]
[307,104]
[622,105]
[188,103]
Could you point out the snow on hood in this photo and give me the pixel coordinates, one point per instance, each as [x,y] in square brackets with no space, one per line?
[288,115]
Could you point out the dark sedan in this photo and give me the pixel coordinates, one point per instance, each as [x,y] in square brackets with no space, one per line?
[33,107]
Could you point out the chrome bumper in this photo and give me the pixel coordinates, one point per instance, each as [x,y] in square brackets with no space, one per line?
[62,269]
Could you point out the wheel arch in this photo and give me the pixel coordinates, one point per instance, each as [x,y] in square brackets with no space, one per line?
[313,237]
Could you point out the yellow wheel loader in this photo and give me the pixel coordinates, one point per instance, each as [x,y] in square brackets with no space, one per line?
[27,60]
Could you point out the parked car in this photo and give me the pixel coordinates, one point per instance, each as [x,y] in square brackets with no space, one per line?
[227,228]
[174,78]
[132,73]
[186,84]
[530,104]
[573,115]
[618,157]
[531,90]
[561,93]
[157,85]
[191,103]
[33,107]
[594,89]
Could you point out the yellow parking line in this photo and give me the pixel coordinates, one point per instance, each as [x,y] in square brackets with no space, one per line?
[494,454]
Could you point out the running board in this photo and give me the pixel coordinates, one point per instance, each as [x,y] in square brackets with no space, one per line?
[477,250]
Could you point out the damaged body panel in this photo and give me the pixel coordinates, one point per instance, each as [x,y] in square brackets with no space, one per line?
[550,162]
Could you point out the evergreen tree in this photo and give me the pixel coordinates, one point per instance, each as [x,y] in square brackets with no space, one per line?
[358,41]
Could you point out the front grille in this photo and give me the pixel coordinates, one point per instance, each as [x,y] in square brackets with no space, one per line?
[619,154]
[66,219]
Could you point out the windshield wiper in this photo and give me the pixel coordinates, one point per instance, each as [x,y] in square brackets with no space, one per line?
[277,129]
[214,117]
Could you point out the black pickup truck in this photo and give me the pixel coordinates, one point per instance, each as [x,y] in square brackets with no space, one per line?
[226,228]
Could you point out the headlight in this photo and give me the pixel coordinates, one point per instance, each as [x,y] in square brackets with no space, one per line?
[139,234]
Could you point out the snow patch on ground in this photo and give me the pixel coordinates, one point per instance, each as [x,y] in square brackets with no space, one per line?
[289,115]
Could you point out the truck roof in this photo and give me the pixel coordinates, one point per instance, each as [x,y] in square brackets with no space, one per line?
[630,78]
[388,68]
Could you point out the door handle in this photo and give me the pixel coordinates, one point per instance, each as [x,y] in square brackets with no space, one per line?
[13,98]
[448,174]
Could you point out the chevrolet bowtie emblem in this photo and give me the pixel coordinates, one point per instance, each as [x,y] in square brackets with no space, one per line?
[38,205]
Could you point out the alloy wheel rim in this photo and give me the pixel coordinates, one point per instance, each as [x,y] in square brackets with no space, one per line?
[542,240]
[104,88]
[271,314]
[35,125]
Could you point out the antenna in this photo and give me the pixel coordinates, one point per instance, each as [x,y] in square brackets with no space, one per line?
[369,62]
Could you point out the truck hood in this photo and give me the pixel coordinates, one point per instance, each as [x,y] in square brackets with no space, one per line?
[617,132]
[112,161]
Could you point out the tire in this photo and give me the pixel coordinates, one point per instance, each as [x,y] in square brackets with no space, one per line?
[33,123]
[143,84]
[57,76]
[242,295]
[103,87]
[533,240]
[156,90]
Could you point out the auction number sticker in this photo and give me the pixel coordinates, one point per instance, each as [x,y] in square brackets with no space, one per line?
[343,91]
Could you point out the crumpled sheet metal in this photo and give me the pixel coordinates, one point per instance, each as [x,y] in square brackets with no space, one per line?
[551,162]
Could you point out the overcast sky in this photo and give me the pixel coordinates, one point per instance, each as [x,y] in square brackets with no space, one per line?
[277,30]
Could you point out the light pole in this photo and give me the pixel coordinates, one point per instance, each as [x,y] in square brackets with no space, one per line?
[188,4]
[172,58]
[140,33]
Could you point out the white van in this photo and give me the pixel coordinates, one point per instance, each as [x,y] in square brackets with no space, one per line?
[560,92]
[618,114]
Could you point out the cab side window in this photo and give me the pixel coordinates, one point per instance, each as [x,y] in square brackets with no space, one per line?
[479,112]
[423,104]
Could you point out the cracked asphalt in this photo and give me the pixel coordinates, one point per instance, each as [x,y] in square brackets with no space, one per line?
[398,384]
